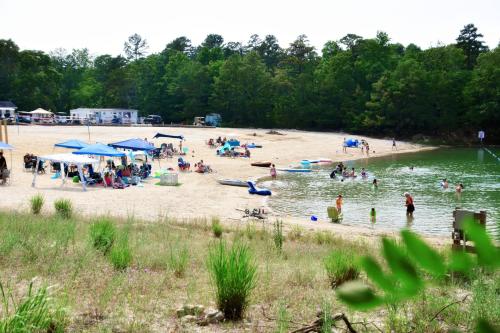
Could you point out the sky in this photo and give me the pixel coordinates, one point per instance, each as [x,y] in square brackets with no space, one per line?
[102,26]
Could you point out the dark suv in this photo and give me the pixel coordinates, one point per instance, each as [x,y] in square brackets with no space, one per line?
[153,119]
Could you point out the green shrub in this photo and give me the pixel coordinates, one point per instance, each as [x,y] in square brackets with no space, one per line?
[216,228]
[278,235]
[120,255]
[340,267]
[36,203]
[178,260]
[35,313]
[102,235]
[233,272]
[64,208]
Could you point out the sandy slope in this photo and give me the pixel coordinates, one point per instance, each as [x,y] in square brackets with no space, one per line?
[199,195]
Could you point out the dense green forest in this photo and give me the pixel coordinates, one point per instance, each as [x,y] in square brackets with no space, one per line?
[371,86]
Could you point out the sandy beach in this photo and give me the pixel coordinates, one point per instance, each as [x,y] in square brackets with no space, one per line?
[199,195]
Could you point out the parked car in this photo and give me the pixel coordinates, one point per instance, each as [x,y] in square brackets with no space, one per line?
[61,118]
[24,119]
[153,119]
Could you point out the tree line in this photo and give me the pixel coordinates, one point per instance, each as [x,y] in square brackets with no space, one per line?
[362,85]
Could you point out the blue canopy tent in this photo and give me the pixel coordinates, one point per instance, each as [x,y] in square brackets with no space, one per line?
[99,149]
[160,135]
[5,146]
[72,144]
[351,143]
[133,144]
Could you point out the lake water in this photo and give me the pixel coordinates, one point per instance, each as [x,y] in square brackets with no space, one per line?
[305,194]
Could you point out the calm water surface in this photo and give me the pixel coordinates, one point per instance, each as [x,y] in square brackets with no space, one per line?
[306,194]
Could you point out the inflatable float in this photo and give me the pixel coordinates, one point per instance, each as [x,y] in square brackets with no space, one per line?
[261,164]
[233,182]
[294,170]
[253,145]
[255,190]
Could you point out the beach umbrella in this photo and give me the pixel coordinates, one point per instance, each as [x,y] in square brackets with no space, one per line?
[5,146]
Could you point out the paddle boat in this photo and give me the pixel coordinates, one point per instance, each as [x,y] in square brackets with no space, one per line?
[261,164]
[294,170]
[233,182]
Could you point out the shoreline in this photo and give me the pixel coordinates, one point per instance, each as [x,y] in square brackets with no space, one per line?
[199,196]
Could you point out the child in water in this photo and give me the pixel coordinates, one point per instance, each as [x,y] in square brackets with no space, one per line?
[444,184]
[363,173]
[273,171]
[373,216]
[459,188]
[338,203]
[375,183]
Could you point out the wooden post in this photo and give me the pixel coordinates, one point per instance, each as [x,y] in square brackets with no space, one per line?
[6,132]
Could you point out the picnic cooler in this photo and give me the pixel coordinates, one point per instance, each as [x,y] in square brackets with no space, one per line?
[169,178]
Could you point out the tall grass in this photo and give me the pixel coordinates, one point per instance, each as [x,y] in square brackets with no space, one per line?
[282,320]
[233,273]
[64,208]
[102,235]
[121,255]
[340,267]
[178,260]
[36,203]
[34,313]
[216,228]
[278,237]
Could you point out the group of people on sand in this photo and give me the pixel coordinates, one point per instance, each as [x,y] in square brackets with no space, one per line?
[201,167]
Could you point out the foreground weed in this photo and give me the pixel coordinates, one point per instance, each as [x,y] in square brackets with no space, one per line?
[278,237]
[120,255]
[102,235]
[35,313]
[283,319]
[64,208]
[233,273]
[36,204]
[178,260]
[216,228]
[340,267]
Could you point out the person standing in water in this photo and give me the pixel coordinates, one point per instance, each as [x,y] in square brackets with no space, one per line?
[373,216]
[444,184]
[375,183]
[459,188]
[273,171]
[339,203]
[410,207]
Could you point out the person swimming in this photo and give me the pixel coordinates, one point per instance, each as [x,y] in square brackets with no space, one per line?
[363,173]
[411,168]
[353,173]
[459,188]
[373,216]
[444,184]
[333,174]
[375,183]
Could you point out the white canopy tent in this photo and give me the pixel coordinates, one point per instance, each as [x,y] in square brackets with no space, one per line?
[78,160]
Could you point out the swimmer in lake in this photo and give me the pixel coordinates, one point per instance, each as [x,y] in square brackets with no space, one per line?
[353,173]
[333,175]
[411,168]
[444,184]
[459,188]
[375,183]
[363,173]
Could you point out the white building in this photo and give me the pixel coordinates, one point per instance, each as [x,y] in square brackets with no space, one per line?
[7,109]
[105,116]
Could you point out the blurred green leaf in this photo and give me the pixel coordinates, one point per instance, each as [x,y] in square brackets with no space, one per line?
[423,254]
[487,253]
[484,327]
[403,269]
[376,275]
[460,262]
[358,296]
